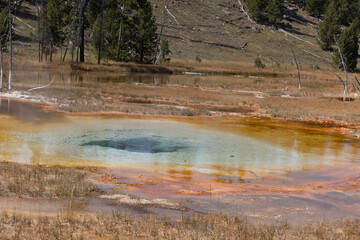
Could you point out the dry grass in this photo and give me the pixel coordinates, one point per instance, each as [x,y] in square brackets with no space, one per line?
[186,94]
[212,67]
[113,67]
[122,226]
[311,108]
[18,180]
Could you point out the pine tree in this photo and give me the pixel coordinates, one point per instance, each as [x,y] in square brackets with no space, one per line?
[300,3]
[316,7]
[275,11]
[346,11]
[328,28]
[4,29]
[4,26]
[144,33]
[270,11]
[165,50]
[117,28]
[349,45]
[44,31]
[353,10]
[56,22]
[257,9]
[342,11]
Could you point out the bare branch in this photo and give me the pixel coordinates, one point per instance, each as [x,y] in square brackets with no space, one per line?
[344,65]
[245,12]
[36,88]
[342,81]
[158,57]
[17,4]
[243,47]
[355,87]
[10,47]
[297,66]
[207,42]
[22,44]
[312,54]
[24,23]
[296,37]
[167,9]
[357,80]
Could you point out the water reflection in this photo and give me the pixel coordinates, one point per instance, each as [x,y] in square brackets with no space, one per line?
[66,79]
[27,112]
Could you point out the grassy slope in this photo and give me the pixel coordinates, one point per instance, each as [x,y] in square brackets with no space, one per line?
[205,20]
[269,43]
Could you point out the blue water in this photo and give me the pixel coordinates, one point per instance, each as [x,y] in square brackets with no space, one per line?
[150,141]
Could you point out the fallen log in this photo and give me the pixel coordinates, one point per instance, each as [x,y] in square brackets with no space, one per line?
[296,37]
[208,42]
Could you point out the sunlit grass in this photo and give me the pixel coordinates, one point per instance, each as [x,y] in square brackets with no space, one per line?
[124,226]
[41,181]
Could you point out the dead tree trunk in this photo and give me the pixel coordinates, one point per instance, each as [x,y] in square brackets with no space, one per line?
[10,46]
[100,30]
[73,51]
[341,80]
[120,33]
[51,51]
[82,42]
[80,38]
[357,81]
[44,26]
[67,47]
[72,27]
[244,11]
[119,41]
[2,65]
[38,32]
[356,84]
[345,84]
[161,31]
[297,66]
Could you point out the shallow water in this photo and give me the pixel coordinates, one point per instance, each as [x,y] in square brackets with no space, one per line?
[65,79]
[258,145]
[258,166]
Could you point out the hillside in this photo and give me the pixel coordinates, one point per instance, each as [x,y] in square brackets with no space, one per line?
[223,22]
[212,30]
